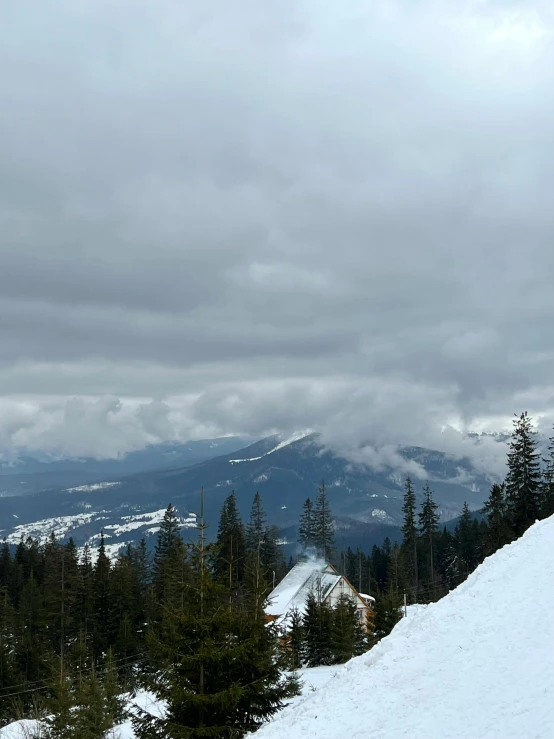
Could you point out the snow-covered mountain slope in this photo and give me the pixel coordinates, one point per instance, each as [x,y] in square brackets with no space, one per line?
[479,663]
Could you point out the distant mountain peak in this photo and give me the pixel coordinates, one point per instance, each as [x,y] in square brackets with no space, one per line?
[278,443]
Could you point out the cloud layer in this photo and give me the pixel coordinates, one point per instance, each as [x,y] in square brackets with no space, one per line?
[247,217]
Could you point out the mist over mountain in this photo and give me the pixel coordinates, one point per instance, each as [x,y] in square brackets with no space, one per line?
[34,472]
[365,501]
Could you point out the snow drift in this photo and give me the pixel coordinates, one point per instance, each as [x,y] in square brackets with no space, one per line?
[479,663]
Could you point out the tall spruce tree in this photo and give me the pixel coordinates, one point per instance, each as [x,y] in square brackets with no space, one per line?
[101,600]
[387,614]
[317,623]
[294,639]
[223,675]
[524,476]
[428,527]
[9,676]
[409,533]
[229,552]
[547,486]
[306,530]
[498,530]
[396,573]
[256,526]
[348,637]
[323,525]
[466,542]
[60,721]
[260,542]
[169,570]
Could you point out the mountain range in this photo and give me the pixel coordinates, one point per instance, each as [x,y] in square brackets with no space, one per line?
[103,495]
[25,474]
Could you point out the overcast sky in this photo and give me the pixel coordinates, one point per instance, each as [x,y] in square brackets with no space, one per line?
[246,217]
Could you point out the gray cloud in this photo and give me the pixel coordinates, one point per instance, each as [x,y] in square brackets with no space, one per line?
[289,215]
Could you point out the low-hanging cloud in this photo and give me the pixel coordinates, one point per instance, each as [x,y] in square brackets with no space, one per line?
[254,217]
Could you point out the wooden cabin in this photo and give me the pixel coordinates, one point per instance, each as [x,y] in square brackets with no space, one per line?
[317,577]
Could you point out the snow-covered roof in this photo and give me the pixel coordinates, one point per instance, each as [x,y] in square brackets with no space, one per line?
[365,596]
[305,577]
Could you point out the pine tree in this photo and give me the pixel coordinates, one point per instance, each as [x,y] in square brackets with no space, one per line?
[60,584]
[547,486]
[8,673]
[524,476]
[295,639]
[126,616]
[380,562]
[428,527]
[229,555]
[466,542]
[387,614]
[85,598]
[306,530]
[317,631]
[169,571]
[409,533]
[347,632]
[29,652]
[99,707]
[323,525]
[498,529]
[60,721]
[260,545]
[223,675]
[5,564]
[396,573]
[256,526]
[101,599]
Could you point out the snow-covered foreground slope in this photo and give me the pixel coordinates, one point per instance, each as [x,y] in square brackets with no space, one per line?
[479,663]
[312,679]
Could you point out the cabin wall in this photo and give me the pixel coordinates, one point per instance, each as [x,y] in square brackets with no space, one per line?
[342,588]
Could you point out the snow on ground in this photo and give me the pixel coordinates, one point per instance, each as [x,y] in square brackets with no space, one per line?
[139,520]
[92,488]
[42,529]
[312,679]
[295,437]
[476,664]
[26,729]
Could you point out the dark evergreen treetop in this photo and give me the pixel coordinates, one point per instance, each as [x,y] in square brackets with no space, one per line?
[498,530]
[409,533]
[167,536]
[409,525]
[547,487]
[523,481]
[256,526]
[306,533]
[428,516]
[466,537]
[323,531]
[229,551]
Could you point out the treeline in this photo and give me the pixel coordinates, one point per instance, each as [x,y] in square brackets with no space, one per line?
[430,561]
[76,631]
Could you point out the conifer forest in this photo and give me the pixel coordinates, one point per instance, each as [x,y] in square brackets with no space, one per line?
[80,633]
